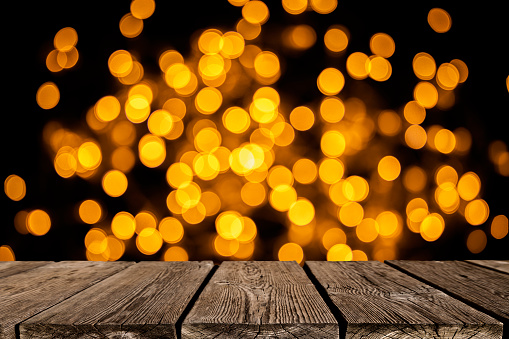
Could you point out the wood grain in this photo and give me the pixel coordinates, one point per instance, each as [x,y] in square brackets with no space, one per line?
[8,268]
[260,299]
[482,288]
[143,301]
[498,265]
[24,294]
[377,301]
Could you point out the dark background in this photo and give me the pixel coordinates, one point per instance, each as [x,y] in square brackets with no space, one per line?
[478,36]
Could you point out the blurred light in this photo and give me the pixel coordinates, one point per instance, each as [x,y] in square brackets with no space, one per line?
[305,171]
[448,76]
[90,211]
[424,66]
[439,20]
[446,176]
[120,63]
[300,37]
[414,112]
[332,109]
[48,95]
[389,123]
[149,241]
[142,9]
[229,225]
[20,222]
[107,108]
[253,193]
[332,237]
[414,179]
[248,30]
[38,222]
[426,94]
[432,227]
[123,225]
[324,6]
[282,197]
[168,58]
[152,150]
[171,230]
[295,6]
[333,144]
[208,100]
[89,155]
[367,230]
[114,183]
[389,168]
[469,186]
[476,241]
[15,187]
[382,44]
[236,120]
[65,39]
[224,247]
[499,227]
[445,141]
[302,118]
[291,252]
[340,252]
[330,81]
[477,212]
[331,170]
[6,253]
[175,253]
[355,188]
[389,224]
[233,45]
[266,64]
[145,219]
[255,12]
[130,26]
[379,68]
[123,159]
[356,65]
[351,214]
[336,39]
[301,212]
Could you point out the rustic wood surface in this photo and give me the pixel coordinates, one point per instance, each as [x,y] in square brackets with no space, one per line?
[8,268]
[498,265]
[143,301]
[262,300]
[484,289]
[378,301]
[25,294]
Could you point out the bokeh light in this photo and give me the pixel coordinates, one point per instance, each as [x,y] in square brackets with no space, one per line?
[255,130]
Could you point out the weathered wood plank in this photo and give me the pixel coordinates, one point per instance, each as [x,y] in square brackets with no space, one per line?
[499,265]
[8,268]
[377,301]
[24,294]
[260,299]
[143,301]
[484,289]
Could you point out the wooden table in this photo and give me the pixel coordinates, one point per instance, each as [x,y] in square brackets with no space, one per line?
[396,299]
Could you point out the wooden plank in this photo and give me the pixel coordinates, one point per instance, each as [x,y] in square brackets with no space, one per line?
[260,299]
[143,301]
[24,294]
[377,301]
[498,265]
[8,268]
[482,288]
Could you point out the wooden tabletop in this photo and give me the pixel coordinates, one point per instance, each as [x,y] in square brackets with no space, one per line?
[255,299]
